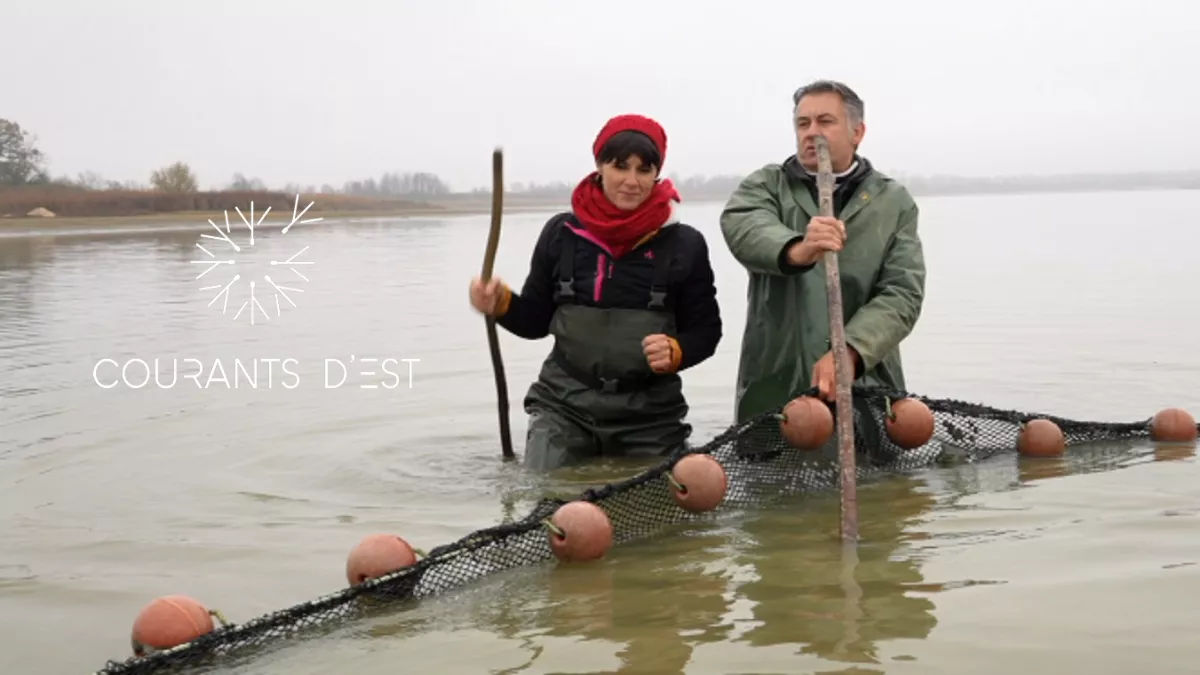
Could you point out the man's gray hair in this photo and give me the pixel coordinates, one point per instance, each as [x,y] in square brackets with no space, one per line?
[854,105]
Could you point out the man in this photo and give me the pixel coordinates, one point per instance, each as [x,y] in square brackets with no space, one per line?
[772,227]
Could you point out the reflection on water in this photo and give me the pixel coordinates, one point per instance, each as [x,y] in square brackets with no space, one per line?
[774,578]
[250,498]
[809,593]
[728,595]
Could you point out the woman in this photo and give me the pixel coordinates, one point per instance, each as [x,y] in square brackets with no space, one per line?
[628,293]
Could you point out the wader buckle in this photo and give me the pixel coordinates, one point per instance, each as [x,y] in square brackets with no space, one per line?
[609,385]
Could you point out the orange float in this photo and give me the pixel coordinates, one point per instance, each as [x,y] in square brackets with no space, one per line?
[910,424]
[698,483]
[806,423]
[579,531]
[1041,438]
[378,555]
[169,621]
[1173,425]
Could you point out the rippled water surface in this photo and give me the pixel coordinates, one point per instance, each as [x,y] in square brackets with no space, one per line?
[250,497]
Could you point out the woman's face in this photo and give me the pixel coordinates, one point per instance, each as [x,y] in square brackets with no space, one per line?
[627,184]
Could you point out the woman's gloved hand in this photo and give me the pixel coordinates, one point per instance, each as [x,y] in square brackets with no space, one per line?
[662,353]
[486,296]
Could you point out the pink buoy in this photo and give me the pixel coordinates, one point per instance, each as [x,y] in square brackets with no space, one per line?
[911,423]
[1173,425]
[1041,438]
[580,531]
[378,555]
[169,621]
[806,423]
[698,483]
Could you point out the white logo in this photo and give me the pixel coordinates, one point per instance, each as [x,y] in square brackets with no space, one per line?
[276,290]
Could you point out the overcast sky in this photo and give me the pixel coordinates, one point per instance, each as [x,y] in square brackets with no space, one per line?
[317,92]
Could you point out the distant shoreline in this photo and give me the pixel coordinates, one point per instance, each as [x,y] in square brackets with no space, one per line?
[199,219]
[341,208]
[93,210]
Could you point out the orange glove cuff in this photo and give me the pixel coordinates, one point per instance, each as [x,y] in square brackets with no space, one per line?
[502,304]
[676,354]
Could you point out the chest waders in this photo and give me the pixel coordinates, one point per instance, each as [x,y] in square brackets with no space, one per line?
[596,394]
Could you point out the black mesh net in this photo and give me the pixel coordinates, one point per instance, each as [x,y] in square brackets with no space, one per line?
[760,466]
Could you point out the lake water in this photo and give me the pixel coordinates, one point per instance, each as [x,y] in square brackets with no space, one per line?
[250,498]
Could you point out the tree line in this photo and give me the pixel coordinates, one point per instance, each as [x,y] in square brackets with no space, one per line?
[22,163]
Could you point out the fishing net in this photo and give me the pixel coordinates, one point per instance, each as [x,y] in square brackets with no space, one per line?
[760,466]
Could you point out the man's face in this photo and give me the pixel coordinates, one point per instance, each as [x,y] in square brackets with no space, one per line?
[824,114]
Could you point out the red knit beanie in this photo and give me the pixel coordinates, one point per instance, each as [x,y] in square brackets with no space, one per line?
[638,123]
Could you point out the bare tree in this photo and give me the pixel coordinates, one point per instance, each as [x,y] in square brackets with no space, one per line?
[91,180]
[21,163]
[242,184]
[177,177]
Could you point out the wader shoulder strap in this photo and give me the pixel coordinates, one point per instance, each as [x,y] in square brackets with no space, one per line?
[662,274]
[565,270]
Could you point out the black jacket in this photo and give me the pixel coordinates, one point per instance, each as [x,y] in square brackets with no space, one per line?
[626,282]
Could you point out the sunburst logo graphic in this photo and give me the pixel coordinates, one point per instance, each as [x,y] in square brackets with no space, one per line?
[244,283]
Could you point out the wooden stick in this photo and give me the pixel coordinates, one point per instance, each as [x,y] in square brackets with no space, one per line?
[841,359]
[489,259]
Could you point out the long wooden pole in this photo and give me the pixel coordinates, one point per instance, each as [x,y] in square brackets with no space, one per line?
[841,359]
[489,260]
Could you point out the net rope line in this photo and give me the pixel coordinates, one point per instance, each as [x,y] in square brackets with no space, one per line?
[761,467]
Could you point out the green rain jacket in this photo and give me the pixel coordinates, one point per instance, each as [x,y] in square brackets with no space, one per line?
[882,269]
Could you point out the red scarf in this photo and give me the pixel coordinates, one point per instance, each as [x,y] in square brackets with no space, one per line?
[617,229]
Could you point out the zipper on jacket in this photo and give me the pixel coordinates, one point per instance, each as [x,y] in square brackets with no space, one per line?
[599,277]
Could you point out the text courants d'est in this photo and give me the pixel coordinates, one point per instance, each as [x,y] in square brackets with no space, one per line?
[270,373]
